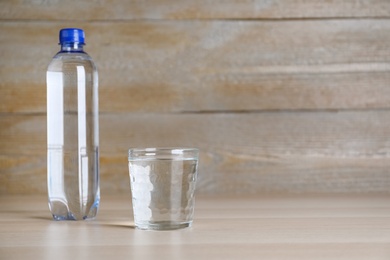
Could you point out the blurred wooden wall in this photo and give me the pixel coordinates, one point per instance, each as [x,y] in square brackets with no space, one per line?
[279,95]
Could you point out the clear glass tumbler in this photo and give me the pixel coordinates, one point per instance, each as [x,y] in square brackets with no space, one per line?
[162,184]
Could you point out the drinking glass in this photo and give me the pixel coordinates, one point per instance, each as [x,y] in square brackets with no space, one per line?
[162,184]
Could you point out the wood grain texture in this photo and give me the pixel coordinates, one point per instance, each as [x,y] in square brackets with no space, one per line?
[295,152]
[279,95]
[261,227]
[187,9]
[176,66]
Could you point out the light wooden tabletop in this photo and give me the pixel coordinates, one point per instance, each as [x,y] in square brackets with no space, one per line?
[262,227]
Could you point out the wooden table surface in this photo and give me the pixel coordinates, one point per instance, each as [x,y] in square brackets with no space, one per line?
[262,227]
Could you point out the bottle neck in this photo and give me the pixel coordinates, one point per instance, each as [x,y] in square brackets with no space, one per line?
[72,47]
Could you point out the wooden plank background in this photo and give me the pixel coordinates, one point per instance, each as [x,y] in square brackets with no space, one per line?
[279,95]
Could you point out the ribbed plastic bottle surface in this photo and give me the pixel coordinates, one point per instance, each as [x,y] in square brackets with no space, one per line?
[72,130]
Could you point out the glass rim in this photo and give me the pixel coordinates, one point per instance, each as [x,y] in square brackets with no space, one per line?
[148,149]
[150,152]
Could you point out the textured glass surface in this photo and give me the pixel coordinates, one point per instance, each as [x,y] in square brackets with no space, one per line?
[163,189]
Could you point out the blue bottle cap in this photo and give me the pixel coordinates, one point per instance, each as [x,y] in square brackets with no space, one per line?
[72,35]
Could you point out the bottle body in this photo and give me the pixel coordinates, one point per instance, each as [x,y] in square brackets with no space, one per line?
[72,136]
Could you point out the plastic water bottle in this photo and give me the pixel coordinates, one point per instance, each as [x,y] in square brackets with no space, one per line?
[72,130]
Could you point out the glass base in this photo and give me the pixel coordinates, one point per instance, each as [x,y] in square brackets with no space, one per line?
[162,225]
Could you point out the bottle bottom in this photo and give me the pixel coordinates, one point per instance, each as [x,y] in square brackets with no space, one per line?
[60,211]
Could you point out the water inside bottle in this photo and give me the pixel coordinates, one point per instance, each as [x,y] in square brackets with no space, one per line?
[73,151]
